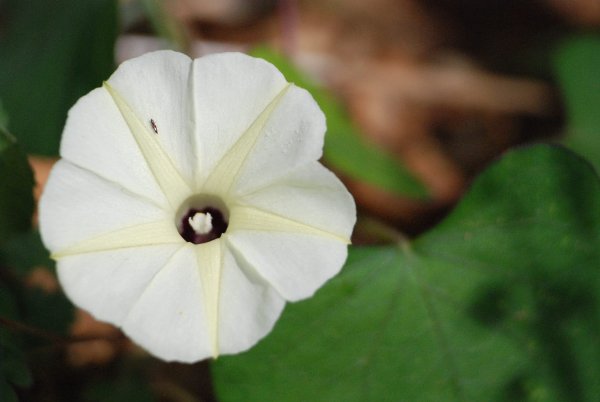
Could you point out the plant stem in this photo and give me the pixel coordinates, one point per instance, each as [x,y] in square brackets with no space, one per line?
[383,231]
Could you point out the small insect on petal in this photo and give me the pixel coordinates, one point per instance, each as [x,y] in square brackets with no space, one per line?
[154,127]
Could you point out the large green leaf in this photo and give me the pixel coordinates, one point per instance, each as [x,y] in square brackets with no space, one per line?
[498,303]
[16,187]
[577,64]
[345,148]
[52,52]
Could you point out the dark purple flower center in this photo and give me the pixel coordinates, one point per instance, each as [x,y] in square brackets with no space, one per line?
[202,218]
[218,225]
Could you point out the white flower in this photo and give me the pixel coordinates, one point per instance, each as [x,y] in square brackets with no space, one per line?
[189,203]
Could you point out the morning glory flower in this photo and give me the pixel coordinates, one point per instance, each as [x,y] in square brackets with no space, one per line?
[189,204]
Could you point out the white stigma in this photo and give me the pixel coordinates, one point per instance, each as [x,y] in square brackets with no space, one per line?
[201,222]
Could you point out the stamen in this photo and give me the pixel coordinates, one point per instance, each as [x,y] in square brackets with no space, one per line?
[201,222]
[201,218]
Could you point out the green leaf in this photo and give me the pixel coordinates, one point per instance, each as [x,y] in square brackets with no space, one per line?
[25,251]
[3,117]
[128,386]
[52,312]
[53,52]
[345,148]
[7,393]
[13,366]
[8,305]
[49,311]
[577,65]
[16,188]
[498,303]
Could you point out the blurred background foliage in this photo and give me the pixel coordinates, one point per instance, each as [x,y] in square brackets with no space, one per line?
[475,270]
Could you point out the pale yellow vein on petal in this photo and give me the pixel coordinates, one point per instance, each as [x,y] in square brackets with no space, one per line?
[193,121]
[226,172]
[210,264]
[249,218]
[145,234]
[164,171]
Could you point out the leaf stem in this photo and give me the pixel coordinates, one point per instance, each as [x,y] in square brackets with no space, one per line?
[383,231]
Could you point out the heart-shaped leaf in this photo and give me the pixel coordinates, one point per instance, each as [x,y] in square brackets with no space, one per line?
[498,303]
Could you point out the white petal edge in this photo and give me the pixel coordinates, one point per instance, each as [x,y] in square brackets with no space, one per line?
[169,318]
[230,92]
[311,195]
[250,306]
[97,139]
[77,205]
[292,137]
[107,284]
[157,87]
[296,265]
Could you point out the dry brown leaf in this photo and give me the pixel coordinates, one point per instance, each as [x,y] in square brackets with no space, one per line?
[92,352]
[41,170]
[42,278]
[581,12]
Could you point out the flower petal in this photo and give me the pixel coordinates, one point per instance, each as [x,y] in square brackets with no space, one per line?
[168,318]
[296,265]
[301,222]
[172,315]
[78,205]
[108,283]
[287,134]
[210,260]
[156,86]
[249,218]
[166,174]
[311,195]
[239,305]
[249,308]
[96,138]
[227,171]
[230,92]
[292,137]
[145,234]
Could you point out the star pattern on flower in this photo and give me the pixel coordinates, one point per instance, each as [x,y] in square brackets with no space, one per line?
[189,204]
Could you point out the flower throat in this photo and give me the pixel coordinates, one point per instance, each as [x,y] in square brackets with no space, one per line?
[202,218]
